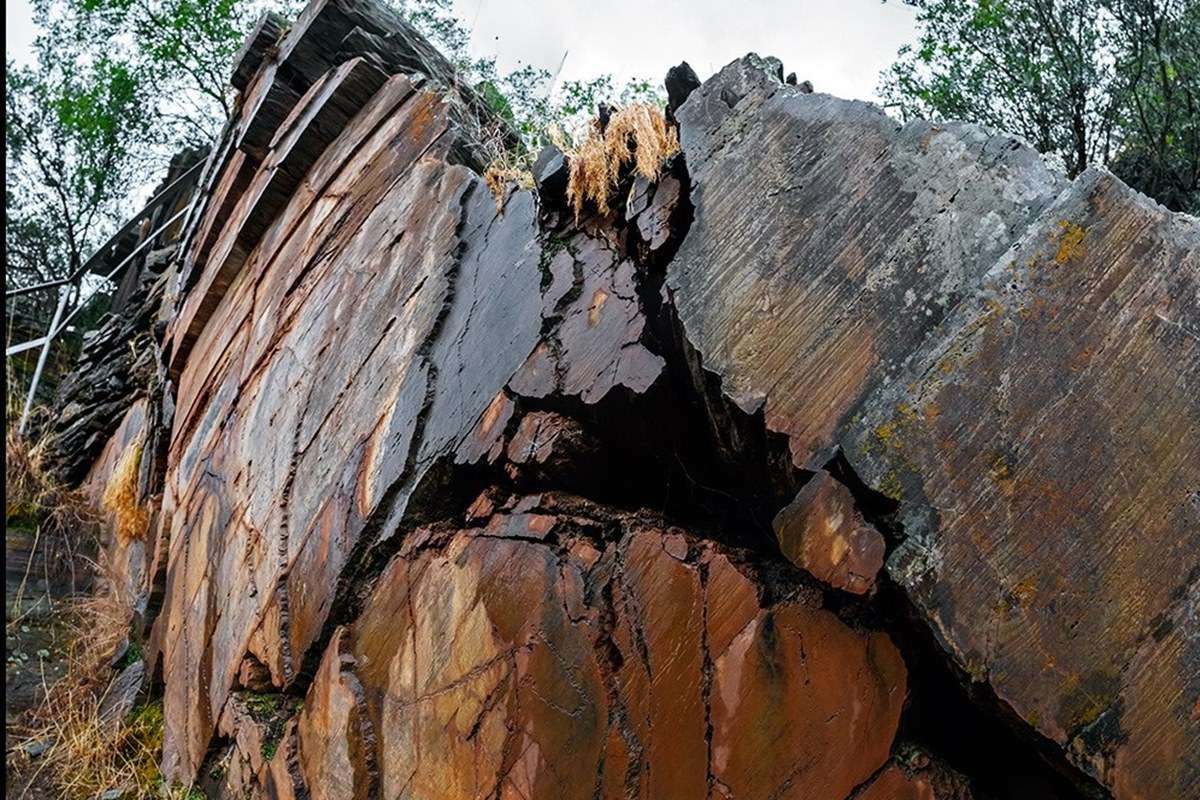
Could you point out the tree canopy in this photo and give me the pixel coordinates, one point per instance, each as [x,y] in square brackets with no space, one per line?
[118,86]
[1112,83]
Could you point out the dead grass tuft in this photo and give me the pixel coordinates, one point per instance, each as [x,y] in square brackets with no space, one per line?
[86,751]
[507,171]
[131,518]
[63,523]
[637,134]
[86,743]
[27,487]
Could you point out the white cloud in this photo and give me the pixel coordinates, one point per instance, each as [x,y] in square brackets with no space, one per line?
[840,45]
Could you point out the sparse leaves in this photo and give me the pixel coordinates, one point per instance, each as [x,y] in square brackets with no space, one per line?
[1113,83]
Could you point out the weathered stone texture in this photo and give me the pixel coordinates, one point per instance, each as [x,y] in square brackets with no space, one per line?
[1010,357]
[822,531]
[503,663]
[827,243]
[378,385]
[1054,537]
[336,344]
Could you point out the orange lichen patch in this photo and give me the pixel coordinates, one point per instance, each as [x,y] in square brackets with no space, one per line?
[1024,592]
[1001,473]
[637,134]
[1070,242]
[487,437]
[130,518]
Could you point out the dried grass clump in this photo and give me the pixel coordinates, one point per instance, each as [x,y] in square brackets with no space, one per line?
[87,751]
[507,170]
[28,488]
[130,517]
[63,522]
[638,133]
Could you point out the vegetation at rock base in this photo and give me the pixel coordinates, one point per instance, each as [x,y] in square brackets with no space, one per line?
[80,741]
[73,739]
[60,518]
[1112,83]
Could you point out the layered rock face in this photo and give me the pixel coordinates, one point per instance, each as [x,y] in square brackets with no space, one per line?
[727,493]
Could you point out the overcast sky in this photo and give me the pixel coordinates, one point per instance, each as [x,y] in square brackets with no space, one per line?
[840,45]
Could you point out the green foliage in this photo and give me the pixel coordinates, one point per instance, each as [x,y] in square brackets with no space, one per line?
[116,88]
[132,655]
[181,50]
[1089,82]
[73,133]
[269,747]
[262,706]
[119,86]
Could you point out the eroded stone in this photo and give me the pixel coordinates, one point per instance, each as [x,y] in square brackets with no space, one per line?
[822,531]
[501,666]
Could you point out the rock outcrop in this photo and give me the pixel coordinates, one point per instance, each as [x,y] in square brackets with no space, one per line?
[835,435]
[1011,357]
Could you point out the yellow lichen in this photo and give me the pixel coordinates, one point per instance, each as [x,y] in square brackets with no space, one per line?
[890,486]
[1070,242]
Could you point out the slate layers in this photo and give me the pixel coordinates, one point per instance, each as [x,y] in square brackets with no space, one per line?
[362,341]
[1010,357]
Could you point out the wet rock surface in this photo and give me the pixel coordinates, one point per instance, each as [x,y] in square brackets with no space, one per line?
[822,532]
[844,460]
[564,650]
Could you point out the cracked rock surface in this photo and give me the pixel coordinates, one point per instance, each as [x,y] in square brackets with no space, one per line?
[845,460]
[560,649]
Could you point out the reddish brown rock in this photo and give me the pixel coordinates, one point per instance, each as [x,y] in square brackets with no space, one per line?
[822,531]
[354,307]
[363,341]
[503,666]
[255,763]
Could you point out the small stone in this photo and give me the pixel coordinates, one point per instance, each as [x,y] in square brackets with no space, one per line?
[550,173]
[35,747]
[680,82]
[822,532]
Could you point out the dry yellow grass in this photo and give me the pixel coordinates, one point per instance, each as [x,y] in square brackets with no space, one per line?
[63,522]
[130,517]
[28,489]
[505,171]
[87,753]
[637,134]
